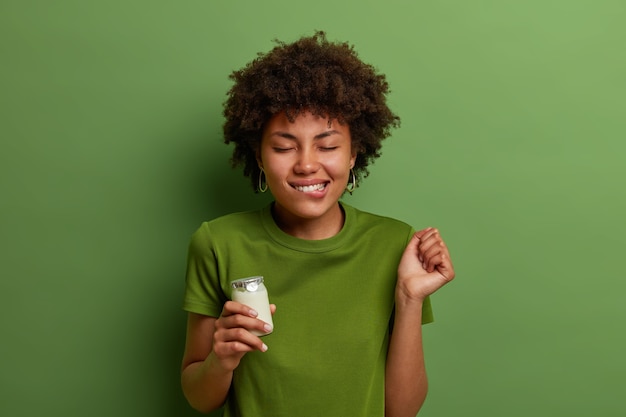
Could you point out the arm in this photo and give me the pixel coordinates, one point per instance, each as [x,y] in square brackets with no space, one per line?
[213,349]
[406,384]
[424,268]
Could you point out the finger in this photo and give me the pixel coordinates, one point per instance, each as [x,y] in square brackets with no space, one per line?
[231,348]
[272,308]
[429,235]
[412,247]
[431,263]
[232,307]
[432,248]
[421,233]
[244,336]
[437,255]
[442,264]
[245,322]
[445,268]
[237,347]
[236,338]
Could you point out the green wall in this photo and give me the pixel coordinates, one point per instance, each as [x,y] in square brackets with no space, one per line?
[512,143]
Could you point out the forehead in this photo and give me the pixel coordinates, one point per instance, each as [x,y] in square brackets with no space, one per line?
[305,122]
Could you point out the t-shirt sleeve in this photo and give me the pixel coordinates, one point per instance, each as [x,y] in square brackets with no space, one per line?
[427,312]
[203,293]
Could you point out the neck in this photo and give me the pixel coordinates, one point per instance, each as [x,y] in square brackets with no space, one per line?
[317,228]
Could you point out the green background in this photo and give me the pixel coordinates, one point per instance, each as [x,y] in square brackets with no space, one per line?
[512,144]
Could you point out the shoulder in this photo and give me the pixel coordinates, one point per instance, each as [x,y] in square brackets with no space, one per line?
[229,225]
[378,227]
[366,219]
[233,220]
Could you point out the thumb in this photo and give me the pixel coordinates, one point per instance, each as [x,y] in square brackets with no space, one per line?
[416,240]
[412,248]
[411,257]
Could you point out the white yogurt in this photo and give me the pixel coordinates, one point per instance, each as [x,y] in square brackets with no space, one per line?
[252,293]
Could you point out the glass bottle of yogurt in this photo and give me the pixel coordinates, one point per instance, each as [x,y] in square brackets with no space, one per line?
[252,292]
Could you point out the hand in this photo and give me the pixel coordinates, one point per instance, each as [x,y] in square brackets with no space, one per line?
[232,338]
[425,266]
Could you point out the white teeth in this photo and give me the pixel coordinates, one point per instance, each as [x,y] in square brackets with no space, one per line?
[309,188]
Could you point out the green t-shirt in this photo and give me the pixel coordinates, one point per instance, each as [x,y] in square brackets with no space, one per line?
[334,299]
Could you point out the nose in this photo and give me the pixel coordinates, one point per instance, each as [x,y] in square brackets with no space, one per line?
[307,162]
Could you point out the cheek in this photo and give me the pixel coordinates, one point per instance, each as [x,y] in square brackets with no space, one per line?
[275,169]
[341,164]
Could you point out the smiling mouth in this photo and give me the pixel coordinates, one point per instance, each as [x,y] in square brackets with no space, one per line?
[309,188]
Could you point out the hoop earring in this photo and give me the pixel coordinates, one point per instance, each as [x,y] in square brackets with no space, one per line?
[262,184]
[351,186]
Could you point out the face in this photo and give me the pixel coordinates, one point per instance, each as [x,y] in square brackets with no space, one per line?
[307,165]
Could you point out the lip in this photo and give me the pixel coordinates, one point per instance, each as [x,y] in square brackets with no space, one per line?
[317,193]
[304,183]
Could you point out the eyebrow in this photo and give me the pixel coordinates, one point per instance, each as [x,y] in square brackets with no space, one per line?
[322,135]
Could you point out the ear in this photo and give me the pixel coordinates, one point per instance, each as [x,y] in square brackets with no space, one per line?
[259,161]
[352,160]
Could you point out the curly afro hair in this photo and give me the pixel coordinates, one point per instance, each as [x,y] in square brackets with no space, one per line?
[312,74]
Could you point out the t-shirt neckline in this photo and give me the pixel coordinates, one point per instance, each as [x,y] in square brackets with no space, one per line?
[304,245]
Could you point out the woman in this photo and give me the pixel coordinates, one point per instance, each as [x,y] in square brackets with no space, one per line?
[350,289]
